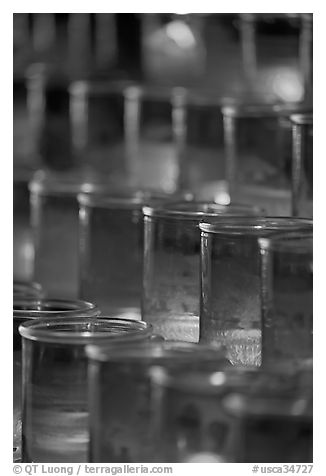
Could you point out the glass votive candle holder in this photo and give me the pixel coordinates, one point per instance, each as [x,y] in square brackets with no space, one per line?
[287,297]
[198,133]
[55,402]
[258,169]
[111,248]
[230,303]
[54,221]
[191,424]
[171,278]
[27,308]
[151,146]
[97,122]
[302,165]
[122,406]
[272,421]
[48,116]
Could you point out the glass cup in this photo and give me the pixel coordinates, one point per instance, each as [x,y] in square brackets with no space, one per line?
[191,425]
[198,415]
[198,132]
[273,420]
[111,248]
[97,121]
[171,285]
[151,145]
[230,303]
[302,165]
[55,402]
[27,308]
[48,115]
[54,221]
[122,408]
[287,297]
[258,168]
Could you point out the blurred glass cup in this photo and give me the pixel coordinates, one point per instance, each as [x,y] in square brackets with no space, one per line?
[258,167]
[122,406]
[171,279]
[191,424]
[233,415]
[230,306]
[55,402]
[26,308]
[54,221]
[287,297]
[302,165]
[150,137]
[48,115]
[272,419]
[111,247]
[97,122]
[198,127]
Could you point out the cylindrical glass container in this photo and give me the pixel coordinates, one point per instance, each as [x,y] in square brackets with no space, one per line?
[111,248]
[22,146]
[97,121]
[273,421]
[198,421]
[190,423]
[302,165]
[24,309]
[48,110]
[54,220]
[287,297]
[258,169]
[149,133]
[198,132]
[171,286]
[55,402]
[121,427]
[230,305]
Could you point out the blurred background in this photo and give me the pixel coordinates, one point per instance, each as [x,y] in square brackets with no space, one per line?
[68,65]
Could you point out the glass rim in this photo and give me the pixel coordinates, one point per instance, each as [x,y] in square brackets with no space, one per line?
[118,330]
[302,119]
[247,110]
[41,307]
[187,210]
[204,382]
[243,109]
[153,350]
[99,87]
[134,198]
[143,91]
[294,241]
[244,380]
[44,183]
[255,225]
[292,406]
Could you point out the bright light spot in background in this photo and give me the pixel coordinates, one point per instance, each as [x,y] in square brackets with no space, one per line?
[286,83]
[204,458]
[222,196]
[181,34]
[217,378]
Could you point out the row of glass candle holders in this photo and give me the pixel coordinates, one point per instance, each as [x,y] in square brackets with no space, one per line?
[169,138]
[224,276]
[101,389]
[144,254]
